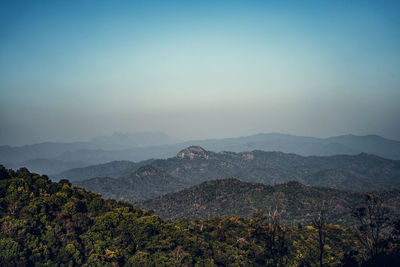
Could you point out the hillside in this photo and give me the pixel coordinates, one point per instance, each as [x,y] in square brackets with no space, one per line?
[231,196]
[111,169]
[147,182]
[48,166]
[53,224]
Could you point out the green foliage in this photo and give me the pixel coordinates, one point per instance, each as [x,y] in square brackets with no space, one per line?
[53,224]
[231,196]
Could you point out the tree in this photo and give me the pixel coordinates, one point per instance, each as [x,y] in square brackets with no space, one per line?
[4,173]
[269,230]
[320,224]
[374,221]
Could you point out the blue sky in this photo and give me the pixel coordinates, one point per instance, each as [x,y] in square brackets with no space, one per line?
[71,70]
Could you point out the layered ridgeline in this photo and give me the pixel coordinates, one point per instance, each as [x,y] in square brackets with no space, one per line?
[111,169]
[356,173]
[195,165]
[53,158]
[297,202]
[43,223]
[147,182]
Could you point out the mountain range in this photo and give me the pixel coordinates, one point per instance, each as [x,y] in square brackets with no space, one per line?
[53,158]
[195,165]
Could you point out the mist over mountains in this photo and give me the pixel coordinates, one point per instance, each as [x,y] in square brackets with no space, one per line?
[118,140]
[53,158]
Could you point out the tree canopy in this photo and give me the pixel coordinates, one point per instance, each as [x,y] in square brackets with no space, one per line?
[44,223]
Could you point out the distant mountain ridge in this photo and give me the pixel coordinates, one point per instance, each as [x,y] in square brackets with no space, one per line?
[132,140]
[126,147]
[112,169]
[194,165]
[48,166]
[146,182]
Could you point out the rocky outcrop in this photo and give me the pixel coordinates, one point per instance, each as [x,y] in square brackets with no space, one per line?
[193,152]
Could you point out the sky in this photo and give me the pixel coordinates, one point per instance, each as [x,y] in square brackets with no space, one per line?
[72,70]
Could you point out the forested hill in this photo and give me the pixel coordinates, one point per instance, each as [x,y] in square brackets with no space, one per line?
[53,224]
[232,196]
[361,172]
[145,183]
[195,165]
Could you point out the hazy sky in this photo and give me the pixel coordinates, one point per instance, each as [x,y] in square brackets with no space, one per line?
[71,70]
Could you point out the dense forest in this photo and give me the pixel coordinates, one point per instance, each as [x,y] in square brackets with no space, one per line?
[44,223]
[297,201]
